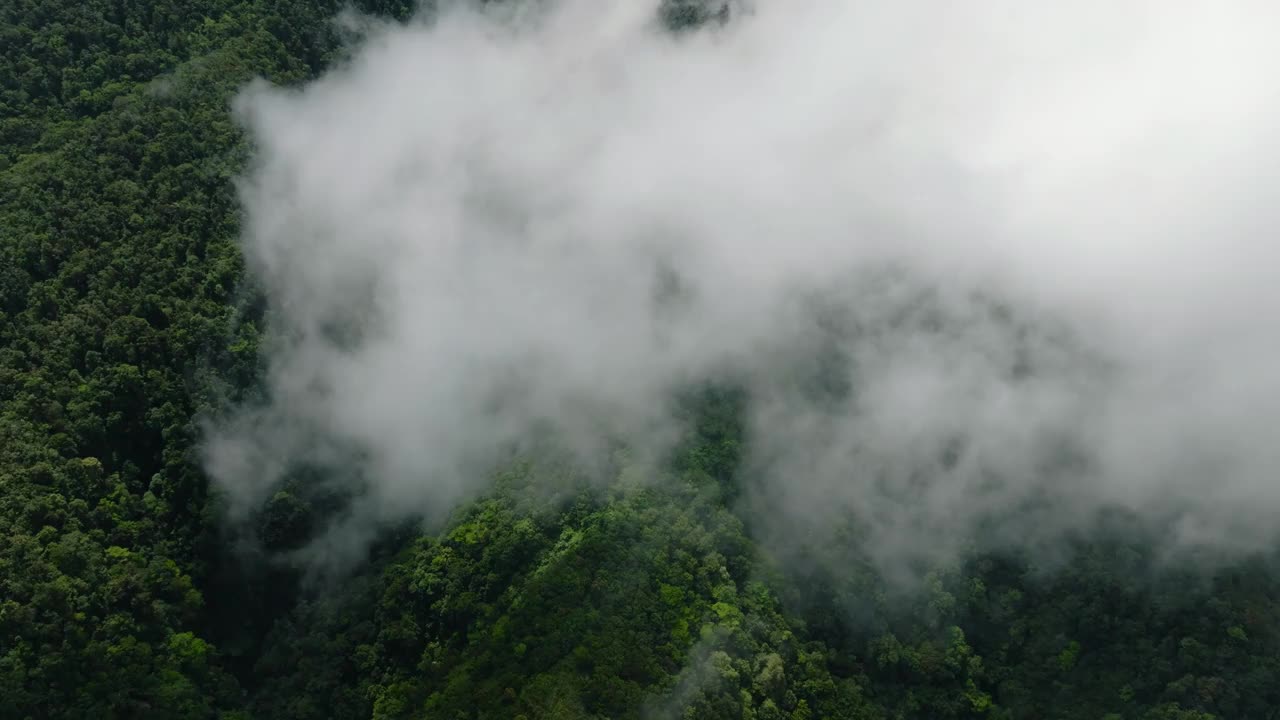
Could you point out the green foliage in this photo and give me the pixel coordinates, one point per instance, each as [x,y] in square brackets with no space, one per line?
[118,281]
[605,606]
[124,318]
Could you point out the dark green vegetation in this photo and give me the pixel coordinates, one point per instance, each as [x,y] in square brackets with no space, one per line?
[123,317]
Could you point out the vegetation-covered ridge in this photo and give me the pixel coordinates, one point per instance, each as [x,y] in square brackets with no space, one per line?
[124,319]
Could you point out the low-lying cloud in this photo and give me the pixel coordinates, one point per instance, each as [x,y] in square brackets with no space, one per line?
[1026,250]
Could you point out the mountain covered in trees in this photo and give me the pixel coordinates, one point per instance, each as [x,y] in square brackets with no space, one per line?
[126,318]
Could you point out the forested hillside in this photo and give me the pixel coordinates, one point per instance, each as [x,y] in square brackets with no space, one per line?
[635,590]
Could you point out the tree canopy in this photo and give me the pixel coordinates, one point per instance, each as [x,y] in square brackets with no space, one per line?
[125,317]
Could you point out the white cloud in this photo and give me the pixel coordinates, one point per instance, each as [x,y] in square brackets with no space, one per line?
[493,203]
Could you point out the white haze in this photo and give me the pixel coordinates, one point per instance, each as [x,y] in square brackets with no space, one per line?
[493,203]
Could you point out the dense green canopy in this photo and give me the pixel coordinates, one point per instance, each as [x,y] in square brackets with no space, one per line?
[124,317]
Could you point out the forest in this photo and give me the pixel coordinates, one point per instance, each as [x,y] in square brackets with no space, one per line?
[127,319]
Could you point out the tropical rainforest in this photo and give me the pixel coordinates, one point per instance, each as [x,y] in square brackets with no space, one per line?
[126,317]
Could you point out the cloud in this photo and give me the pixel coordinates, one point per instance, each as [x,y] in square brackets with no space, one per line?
[1024,248]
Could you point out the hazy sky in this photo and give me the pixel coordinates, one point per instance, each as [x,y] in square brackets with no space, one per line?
[1041,235]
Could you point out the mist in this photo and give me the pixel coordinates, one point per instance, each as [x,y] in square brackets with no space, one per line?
[994,266]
